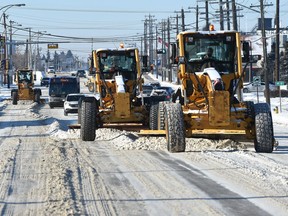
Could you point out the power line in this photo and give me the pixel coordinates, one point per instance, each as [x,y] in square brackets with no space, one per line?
[95,11]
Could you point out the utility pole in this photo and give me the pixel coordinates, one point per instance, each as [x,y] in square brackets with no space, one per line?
[264,42]
[207,15]
[228,14]
[221,15]
[156,47]
[177,25]
[167,54]
[234,12]
[30,51]
[277,57]
[6,69]
[264,53]
[197,15]
[182,18]
[10,56]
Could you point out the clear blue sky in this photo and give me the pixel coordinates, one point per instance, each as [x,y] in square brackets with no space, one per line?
[111,20]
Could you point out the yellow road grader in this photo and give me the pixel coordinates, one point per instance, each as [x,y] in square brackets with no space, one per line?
[209,102]
[119,96]
[24,79]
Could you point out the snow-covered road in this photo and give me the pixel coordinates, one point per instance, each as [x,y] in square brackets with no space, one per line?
[45,169]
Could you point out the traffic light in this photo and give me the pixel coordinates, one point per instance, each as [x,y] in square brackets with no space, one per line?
[3,62]
[246,50]
[2,41]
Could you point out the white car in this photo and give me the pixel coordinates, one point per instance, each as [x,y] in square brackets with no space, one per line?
[252,87]
[71,103]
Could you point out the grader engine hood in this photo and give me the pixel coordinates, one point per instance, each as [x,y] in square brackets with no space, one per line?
[122,99]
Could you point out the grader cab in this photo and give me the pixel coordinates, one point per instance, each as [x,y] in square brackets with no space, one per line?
[118,95]
[210,98]
[25,87]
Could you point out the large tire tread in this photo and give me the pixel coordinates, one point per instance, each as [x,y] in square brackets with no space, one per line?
[88,120]
[161,114]
[264,140]
[174,126]
[153,117]
[14,98]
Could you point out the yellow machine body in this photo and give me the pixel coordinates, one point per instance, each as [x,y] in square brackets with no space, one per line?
[206,109]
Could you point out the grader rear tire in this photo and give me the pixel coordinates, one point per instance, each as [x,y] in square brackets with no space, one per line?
[174,126]
[37,96]
[161,114]
[153,117]
[14,98]
[88,120]
[264,140]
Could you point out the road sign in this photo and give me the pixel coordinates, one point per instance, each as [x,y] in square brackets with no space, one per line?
[161,51]
[279,83]
[53,46]
[256,80]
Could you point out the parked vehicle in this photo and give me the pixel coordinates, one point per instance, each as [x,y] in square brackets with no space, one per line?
[71,103]
[81,73]
[253,87]
[45,81]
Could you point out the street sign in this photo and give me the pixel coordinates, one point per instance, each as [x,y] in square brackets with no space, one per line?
[53,46]
[279,83]
[161,51]
[256,80]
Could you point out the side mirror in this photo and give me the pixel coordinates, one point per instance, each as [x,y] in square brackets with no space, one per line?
[173,58]
[246,51]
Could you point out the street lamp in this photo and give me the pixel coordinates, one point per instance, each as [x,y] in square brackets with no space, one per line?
[6,7]
[9,6]
[10,52]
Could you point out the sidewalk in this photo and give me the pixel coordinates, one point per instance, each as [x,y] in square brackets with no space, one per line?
[5,93]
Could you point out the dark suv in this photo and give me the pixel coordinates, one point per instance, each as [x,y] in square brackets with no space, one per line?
[45,81]
[81,73]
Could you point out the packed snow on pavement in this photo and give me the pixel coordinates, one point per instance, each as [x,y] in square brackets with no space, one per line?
[261,178]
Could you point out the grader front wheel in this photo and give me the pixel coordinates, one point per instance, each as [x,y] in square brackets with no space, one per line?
[14,98]
[174,126]
[88,119]
[264,140]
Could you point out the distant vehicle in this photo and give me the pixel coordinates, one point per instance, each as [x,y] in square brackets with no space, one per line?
[45,81]
[154,84]
[25,90]
[253,87]
[51,69]
[147,89]
[161,94]
[71,103]
[60,87]
[38,76]
[169,90]
[81,73]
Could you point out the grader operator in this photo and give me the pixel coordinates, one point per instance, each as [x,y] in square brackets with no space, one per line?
[211,104]
[25,87]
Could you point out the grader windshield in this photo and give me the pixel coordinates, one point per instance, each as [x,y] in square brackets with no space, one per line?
[217,49]
[113,63]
